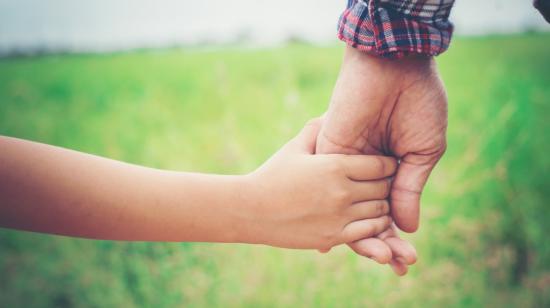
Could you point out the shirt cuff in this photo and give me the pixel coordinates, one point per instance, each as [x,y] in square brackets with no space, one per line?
[396,28]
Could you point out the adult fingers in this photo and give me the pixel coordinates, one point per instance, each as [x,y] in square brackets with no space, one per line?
[402,250]
[405,192]
[370,190]
[365,228]
[399,268]
[372,248]
[368,209]
[368,167]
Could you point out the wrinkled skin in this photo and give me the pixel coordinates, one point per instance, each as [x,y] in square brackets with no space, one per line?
[396,108]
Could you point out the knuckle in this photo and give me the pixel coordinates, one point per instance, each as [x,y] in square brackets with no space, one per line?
[379,208]
[379,226]
[334,166]
[369,230]
[382,207]
[328,239]
[344,196]
[341,195]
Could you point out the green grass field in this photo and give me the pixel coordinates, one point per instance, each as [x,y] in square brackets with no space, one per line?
[485,217]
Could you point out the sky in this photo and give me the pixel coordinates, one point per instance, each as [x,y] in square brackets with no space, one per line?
[106,25]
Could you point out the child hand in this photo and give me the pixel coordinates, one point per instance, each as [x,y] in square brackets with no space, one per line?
[301,200]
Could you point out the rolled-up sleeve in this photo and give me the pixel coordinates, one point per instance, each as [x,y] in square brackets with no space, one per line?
[394,29]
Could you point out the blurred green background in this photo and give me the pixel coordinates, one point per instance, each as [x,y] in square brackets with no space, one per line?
[485,217]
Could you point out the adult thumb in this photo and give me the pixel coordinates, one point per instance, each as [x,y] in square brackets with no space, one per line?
[306,140]
[406,190]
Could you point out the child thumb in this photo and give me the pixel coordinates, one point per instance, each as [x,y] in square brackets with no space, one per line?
[306,140]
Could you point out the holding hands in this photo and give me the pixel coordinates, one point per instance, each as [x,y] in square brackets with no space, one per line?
[295,200]
[393,113]
[312,201]
[396,108]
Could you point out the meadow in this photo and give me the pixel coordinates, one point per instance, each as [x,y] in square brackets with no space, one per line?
[485,216]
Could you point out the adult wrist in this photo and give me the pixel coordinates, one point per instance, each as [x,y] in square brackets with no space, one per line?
[393,72]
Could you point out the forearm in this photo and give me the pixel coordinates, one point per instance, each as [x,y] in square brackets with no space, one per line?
[295,200]
[54,190]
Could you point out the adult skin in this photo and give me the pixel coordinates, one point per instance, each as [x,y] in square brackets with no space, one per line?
[396,108]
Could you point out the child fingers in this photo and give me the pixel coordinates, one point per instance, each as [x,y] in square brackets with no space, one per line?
[372,248]
[368,167]
[370,190]
[368,209]
[365,228]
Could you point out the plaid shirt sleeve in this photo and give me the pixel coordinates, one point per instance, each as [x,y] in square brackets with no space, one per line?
[396,28]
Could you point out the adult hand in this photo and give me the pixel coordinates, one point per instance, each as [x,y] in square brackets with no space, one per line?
[389,107]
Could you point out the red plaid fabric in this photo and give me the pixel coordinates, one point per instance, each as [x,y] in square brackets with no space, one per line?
[393,28]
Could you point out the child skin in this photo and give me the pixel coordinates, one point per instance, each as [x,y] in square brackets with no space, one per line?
[294,200]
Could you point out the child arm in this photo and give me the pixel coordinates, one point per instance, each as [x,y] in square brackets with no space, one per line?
[49,189]
[295,200]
